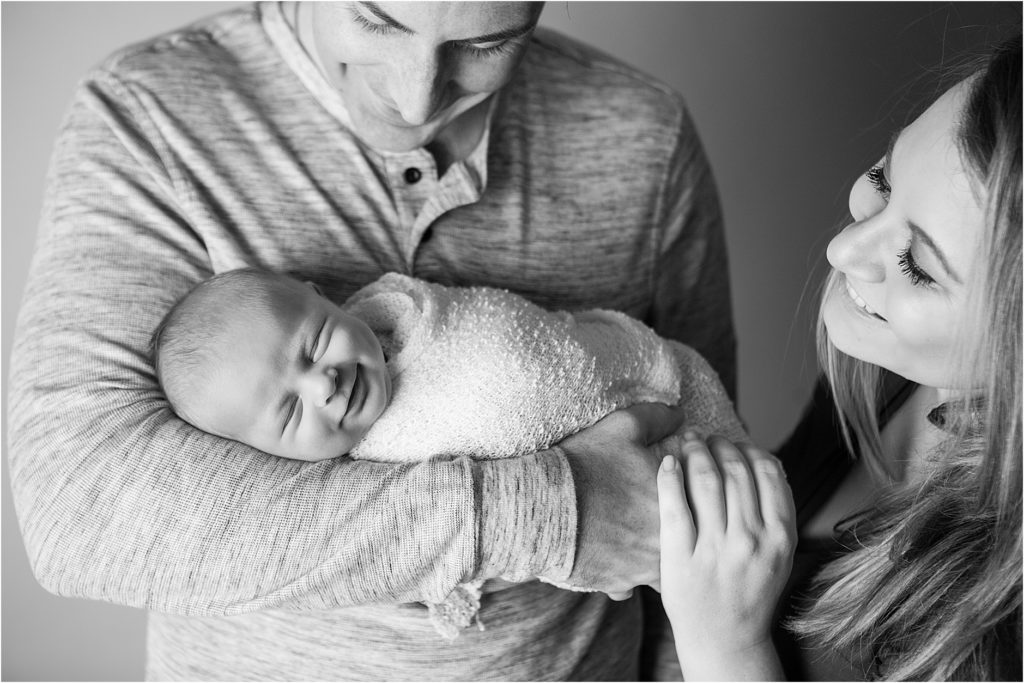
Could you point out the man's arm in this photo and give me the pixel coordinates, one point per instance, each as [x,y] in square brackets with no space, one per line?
[691,298]
[120,500]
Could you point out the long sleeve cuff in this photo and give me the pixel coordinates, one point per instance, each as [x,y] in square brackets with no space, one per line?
[528,524]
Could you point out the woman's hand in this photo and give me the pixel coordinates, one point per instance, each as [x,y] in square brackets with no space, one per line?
[727,536]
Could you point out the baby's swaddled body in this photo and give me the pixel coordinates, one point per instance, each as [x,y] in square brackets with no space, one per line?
[483,373]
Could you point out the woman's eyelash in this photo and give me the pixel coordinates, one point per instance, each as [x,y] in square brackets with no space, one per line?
[876,176]
[909,267]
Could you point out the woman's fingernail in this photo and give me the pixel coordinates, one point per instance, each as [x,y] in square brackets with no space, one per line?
[690,435]
[668,463]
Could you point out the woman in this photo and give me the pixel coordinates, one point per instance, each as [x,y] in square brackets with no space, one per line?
[925,525]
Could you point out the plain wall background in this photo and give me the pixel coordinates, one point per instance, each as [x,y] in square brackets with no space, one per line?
[792,102]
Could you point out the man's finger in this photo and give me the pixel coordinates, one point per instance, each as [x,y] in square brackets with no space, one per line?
[649,422]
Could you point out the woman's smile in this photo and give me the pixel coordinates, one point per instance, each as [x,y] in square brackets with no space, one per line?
[861,304]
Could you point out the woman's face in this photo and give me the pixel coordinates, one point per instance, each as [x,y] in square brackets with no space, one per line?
[408,69]
[900,293]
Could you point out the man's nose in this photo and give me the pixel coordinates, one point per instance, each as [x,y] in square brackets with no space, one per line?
[857,251]
[418,86]
[322,385]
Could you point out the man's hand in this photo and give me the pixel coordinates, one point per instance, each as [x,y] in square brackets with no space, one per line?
[615,475]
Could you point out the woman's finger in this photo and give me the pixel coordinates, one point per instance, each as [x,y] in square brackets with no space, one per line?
[742,507]
[704,490]
[776,499]
[678,534]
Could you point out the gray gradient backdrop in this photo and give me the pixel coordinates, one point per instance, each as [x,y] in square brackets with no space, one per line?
[792,101]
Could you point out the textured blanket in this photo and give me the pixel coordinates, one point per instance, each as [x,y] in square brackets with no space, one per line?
[484,373]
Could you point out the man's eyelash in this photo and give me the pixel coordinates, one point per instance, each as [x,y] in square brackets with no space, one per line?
[370,26]
[876,176]
[909,267]
[504,47]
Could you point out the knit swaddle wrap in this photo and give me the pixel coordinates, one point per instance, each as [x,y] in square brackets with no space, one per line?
[483,373]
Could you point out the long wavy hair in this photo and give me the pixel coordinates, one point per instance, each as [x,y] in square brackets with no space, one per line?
[931,587]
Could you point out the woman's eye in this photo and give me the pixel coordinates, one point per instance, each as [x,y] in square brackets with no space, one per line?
[876,176]
[908,266]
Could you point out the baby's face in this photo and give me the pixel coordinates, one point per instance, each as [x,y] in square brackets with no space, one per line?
[305,382]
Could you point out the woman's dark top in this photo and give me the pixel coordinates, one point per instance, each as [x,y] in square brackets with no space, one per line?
[817,461]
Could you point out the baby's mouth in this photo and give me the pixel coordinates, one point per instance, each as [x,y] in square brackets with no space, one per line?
[356,396]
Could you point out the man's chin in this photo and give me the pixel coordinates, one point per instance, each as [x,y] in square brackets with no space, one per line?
[384,137]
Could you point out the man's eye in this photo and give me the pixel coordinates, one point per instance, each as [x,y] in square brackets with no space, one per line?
[488,49]
[370,25]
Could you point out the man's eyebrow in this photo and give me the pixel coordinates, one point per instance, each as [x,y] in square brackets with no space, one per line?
[503,34]
[930,243]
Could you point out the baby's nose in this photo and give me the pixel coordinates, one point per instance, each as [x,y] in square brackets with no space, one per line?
[329,387]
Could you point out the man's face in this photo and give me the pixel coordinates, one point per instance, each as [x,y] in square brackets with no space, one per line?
[408,69]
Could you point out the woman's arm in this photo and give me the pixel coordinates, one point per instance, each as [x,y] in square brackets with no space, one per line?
[121,501]
[727,539]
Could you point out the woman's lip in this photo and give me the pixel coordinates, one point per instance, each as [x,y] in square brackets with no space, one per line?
[859,302]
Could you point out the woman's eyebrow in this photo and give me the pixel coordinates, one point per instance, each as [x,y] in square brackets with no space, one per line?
[889,150]
[930,243]
[503,34]
[915,229]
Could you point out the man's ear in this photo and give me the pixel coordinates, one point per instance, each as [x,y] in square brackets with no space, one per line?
[315,287]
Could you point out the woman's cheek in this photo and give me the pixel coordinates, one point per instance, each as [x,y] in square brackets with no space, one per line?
[923,326]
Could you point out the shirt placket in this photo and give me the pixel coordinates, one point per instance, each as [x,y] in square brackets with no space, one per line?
[421,198]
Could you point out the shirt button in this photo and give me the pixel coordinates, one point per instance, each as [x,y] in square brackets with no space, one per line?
[412,175]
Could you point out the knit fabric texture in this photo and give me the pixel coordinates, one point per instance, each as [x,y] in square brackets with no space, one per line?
[483,373]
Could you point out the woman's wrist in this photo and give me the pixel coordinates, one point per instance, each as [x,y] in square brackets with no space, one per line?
[756,662]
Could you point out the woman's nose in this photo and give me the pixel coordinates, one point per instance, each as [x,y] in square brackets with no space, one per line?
[418,86]
[323,385]
[857,252]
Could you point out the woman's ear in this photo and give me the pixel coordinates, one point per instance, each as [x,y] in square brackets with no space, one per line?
[315,287]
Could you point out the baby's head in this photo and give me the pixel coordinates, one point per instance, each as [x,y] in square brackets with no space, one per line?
[266,360]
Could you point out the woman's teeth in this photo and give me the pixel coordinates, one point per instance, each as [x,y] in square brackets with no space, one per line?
[863,305]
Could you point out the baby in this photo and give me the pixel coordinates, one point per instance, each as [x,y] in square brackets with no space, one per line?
[407,370]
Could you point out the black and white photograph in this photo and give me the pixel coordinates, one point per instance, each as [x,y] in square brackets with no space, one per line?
[511,341]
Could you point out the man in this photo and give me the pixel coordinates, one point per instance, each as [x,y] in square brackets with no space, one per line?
[335,142]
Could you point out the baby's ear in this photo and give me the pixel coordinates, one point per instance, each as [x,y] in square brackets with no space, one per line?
[315,287]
